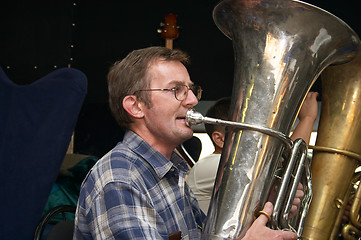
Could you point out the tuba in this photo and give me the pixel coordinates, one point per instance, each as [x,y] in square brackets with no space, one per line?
[280,48]
[336,154]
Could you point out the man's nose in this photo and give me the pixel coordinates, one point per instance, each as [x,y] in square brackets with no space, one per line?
[191,99]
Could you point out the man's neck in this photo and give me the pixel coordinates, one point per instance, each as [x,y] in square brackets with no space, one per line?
[165,148]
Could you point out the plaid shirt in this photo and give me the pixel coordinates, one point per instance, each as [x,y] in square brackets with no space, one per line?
[134,192]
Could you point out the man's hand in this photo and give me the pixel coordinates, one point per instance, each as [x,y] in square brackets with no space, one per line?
[347,212]
[297,200]
[259,230]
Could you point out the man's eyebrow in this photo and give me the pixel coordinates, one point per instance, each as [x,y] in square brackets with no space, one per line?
[177,82]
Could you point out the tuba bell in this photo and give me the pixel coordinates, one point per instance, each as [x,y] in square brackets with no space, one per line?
[337,153]
[280,48]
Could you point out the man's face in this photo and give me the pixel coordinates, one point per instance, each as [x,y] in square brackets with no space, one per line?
[165,119]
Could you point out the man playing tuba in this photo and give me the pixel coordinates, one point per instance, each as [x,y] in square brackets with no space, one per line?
[138,189]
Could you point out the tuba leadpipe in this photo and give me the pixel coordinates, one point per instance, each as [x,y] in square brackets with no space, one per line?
[337,152]
[280,48]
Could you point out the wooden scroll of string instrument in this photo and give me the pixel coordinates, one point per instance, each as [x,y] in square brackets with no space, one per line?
[170,29]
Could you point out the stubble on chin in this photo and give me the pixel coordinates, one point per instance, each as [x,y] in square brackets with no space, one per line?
[187,136]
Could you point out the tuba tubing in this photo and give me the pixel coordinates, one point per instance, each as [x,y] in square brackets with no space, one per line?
[280,48]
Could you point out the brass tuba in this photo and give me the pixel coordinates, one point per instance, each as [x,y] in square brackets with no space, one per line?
[280,48]
[337,153]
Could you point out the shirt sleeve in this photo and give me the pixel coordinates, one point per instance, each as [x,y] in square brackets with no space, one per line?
[125,213]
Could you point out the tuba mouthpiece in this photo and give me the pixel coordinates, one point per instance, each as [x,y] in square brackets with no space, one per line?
[193,117]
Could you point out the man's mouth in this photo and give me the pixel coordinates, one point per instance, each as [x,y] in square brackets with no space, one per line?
[183,119]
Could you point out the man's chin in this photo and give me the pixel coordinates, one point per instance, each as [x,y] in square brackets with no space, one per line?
[189,136]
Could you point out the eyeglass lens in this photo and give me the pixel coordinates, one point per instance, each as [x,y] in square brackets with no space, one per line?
[182,92]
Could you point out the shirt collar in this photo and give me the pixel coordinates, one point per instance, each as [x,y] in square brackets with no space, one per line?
[156,160]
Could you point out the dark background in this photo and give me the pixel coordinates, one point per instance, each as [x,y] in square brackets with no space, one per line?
[39,36]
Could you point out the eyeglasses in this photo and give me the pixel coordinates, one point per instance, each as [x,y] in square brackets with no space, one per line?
[180,91]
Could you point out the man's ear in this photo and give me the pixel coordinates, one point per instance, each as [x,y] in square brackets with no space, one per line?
[218,138]
[133,106]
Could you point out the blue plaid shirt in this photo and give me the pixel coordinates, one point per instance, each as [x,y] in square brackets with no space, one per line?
[134,192]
